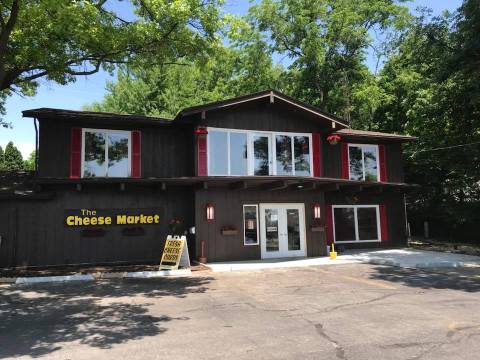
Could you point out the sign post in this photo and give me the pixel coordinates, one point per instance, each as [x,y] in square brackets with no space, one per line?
[175,253]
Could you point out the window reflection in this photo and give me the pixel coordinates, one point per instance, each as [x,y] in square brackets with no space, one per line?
[370,161]
[261,155]
[250,226]
[106,154]
[238,153]
[363,162]
[117,155]
[94,163]
[284,154]
[218,153]
[301,148]
[356,163]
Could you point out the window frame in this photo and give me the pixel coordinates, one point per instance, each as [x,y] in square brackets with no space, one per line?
[272,150]
[355,214]
[106,132]
[258,225]
[361,146]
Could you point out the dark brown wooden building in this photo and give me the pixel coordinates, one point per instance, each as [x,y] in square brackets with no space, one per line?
[258,176]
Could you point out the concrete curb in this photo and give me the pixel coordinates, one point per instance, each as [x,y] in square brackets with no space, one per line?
[44,279]
[96,276]
[159,273]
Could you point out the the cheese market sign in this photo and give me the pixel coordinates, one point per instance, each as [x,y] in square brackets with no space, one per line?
[89,217]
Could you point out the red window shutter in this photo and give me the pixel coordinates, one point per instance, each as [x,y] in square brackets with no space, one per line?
[344,154]
[383,223]
[317,155]
[75,153]
[201,156]
[382,163]
[329,224]
[136,154]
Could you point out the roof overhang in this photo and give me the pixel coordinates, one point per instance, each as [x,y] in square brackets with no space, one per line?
[373,135]
[272,95]
[63,114]
[264,183]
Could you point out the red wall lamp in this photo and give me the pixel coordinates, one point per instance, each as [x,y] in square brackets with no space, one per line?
[210,211]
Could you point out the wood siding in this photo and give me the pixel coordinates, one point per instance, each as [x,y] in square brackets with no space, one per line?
[261,115]
[40,237]
[393,151]
[165,151]
[229,212]
[395,210]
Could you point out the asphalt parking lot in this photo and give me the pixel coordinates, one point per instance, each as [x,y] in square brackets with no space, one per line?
[353,311]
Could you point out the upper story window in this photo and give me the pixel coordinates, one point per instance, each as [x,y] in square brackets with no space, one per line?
[106,153]
[363,162]
[240,152]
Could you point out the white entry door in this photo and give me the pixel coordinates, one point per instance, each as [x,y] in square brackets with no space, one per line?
[282,229]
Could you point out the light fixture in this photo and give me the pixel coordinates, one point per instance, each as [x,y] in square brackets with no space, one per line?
[201,131]
[333,139]
[210,212]
[316,211]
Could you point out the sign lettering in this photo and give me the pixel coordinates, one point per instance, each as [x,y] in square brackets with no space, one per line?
[87,217]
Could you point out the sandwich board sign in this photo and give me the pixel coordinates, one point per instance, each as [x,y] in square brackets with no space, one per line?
[175,253]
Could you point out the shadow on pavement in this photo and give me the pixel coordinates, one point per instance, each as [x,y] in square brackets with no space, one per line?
[35,320]
[453,278]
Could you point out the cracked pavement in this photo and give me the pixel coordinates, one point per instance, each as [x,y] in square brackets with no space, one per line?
[354,311]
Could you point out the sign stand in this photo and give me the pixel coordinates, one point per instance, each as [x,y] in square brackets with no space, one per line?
[175,253]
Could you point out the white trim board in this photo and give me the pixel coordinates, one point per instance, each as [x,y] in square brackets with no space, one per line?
[272,150]
[355,207]
[107,131]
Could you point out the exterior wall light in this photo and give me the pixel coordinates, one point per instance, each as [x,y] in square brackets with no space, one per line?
[210,212]
[316,211]
[199,131]
[333,139]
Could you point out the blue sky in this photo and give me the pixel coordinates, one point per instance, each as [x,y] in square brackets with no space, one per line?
[92,88]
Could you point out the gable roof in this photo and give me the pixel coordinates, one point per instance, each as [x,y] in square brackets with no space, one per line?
[273,94]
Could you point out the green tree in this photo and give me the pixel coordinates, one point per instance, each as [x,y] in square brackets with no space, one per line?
[13,158]
[327,41]
[59,40]
[2,158]
[432,87]
[29,164]
[164,90]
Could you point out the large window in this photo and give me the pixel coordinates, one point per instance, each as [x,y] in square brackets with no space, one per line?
[363,162]
[356,223]
[250,224]
[239,152]
[106,153]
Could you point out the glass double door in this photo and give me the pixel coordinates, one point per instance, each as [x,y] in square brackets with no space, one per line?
[282,229]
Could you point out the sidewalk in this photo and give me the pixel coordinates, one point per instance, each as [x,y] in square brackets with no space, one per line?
[411,258]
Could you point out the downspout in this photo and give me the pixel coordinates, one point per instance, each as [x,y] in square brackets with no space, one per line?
[36,145]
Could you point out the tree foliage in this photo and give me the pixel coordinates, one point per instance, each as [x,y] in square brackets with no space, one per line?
[432,87]
[29,163]
[327,41]
[13,160]
[243,67]
[59,40]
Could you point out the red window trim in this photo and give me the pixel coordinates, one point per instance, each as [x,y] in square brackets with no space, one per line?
[136,161]
[75,153]
[317,155]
